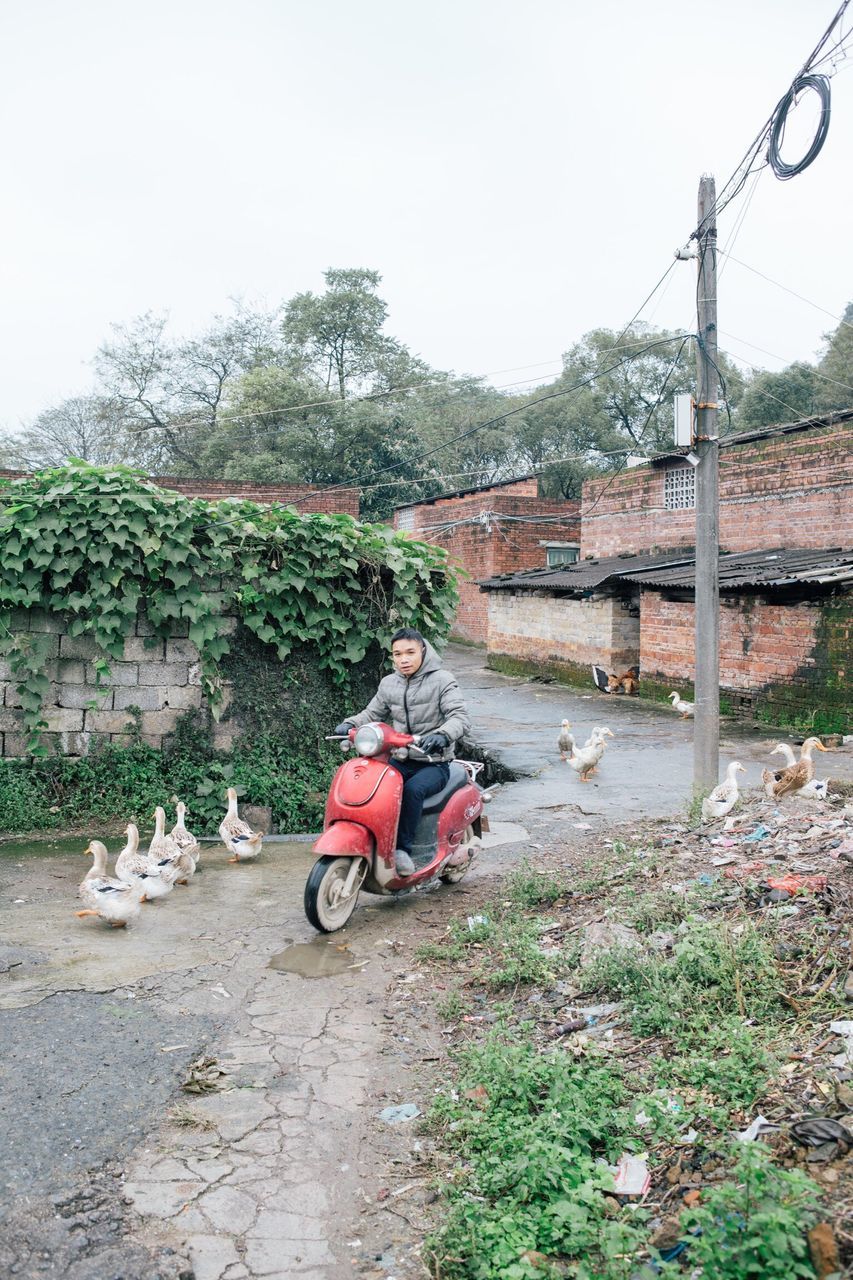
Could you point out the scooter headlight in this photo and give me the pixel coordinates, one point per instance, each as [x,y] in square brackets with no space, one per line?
[369,740]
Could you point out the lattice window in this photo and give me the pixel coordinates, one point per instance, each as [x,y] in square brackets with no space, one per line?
[679,488]
[406,518]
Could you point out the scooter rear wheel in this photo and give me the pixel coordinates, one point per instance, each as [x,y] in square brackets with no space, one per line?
[325,908]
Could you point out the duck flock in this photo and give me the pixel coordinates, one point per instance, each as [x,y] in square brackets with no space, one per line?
[171,859]
[795,778]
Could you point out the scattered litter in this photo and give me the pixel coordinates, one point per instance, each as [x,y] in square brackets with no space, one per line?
[607,937]
[172,1048]
[844,1028]
[759,1126]
[744,870]
[687,1139]
[825,1138]
[797,884]
[477,922]
[220,991]
[631,1176]
[582,826]
[398,1115]
[760,833]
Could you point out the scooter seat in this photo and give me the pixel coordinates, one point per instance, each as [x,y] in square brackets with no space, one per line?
[458,778]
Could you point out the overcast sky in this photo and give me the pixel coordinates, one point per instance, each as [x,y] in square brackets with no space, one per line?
[519,173]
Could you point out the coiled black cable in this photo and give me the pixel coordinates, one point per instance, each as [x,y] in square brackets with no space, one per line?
[783,171]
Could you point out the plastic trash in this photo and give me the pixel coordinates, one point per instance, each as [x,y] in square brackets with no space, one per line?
[797,884]
[399,1115]
[476,922]
[631,1176]
[759,1126]
[744,870]
[760,833]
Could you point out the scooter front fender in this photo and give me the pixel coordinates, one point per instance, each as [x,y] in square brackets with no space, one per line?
[344,839]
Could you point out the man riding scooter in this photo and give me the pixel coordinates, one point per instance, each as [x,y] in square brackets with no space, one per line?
[419,697]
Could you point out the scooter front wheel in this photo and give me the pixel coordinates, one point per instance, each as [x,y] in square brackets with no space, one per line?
[331,891]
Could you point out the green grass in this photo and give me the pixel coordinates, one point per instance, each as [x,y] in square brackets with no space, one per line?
[527,1133]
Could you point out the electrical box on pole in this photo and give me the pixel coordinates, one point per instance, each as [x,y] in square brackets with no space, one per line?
[682,412]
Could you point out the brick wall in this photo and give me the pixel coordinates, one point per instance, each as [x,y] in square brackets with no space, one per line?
[160,677]
[491,539]
[793,490]
[541,628]
[795,657]
[311,498]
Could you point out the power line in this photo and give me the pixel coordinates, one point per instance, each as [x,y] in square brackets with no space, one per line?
[785,289]
[814,372]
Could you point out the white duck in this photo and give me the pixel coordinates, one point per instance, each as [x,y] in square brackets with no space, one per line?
[565,740]
[686,709]
[108,899]
[185,840]
[724,797]
[237,835]
[585,759]
[175,864]
[135,868]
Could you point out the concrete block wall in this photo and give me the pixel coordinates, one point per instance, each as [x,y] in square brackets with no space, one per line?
[161,678]
[794,490]
[538,627]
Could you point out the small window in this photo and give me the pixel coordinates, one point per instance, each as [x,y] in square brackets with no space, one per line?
[406,518]
[679,488]
[561,555]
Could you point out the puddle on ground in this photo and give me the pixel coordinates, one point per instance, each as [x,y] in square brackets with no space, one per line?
[320,959]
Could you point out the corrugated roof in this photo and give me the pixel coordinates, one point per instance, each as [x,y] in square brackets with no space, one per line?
[784,567]
[584,575]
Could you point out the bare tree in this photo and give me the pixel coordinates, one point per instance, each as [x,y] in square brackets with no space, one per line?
[91,428]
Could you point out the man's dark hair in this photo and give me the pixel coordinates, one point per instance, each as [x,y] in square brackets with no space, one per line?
[407,633]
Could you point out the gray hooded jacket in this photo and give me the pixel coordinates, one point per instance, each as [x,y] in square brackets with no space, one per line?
[427,702]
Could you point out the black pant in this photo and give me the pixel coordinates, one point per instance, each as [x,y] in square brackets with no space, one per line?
[419,781]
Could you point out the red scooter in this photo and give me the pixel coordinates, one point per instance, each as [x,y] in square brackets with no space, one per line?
[356,849]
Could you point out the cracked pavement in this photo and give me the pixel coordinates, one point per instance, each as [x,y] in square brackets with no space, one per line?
[112,1169]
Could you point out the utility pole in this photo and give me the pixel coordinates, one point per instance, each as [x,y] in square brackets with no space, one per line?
[706,741]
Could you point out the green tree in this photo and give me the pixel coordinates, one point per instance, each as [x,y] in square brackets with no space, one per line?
[781,396]
[834,388]
[337,336]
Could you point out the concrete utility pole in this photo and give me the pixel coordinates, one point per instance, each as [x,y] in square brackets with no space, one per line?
[706,741]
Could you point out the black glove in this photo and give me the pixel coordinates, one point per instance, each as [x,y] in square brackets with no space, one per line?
[432,743]
[341,730]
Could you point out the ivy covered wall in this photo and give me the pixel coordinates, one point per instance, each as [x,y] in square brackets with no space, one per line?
[152,643]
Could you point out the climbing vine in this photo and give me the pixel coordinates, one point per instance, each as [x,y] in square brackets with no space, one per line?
[98,545]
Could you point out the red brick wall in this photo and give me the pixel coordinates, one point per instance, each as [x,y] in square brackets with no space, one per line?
[760,643]
[791,659]
[311,498]
[787,491]
[500,545]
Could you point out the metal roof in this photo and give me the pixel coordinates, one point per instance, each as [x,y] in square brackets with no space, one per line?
[783,567]
[586,574]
